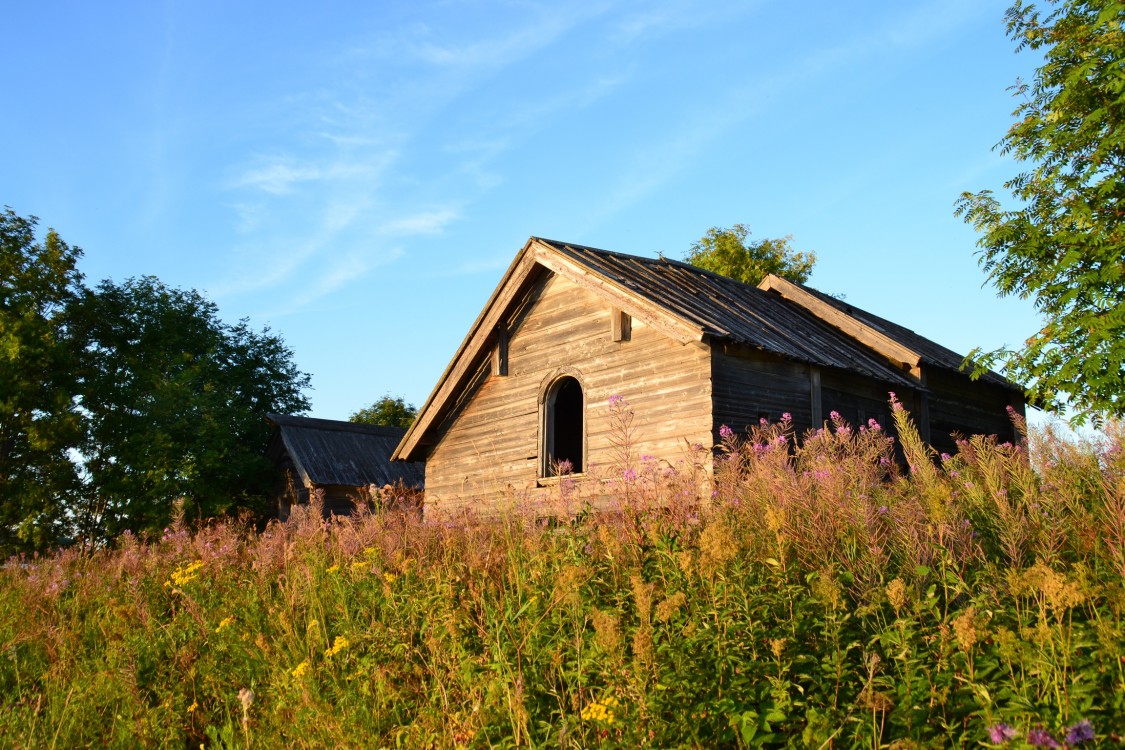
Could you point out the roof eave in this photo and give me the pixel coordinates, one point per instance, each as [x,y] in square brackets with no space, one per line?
[886,346]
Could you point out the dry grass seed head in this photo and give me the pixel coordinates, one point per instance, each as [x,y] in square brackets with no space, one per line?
[607,631]
[718,546]
[965,629]
[896,594]
[826,588]
[642,597]
[667,609]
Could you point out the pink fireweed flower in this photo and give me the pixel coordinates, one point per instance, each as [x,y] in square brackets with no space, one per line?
[1001,733]
[873,425]
[616,400]
[629,475]
[834,416]
[786,417]
[1040,737]
[725,432]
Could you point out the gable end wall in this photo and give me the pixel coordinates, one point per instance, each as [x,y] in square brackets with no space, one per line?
[487,454]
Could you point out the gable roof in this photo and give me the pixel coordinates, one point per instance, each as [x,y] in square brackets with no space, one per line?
[329,452]
[687,304]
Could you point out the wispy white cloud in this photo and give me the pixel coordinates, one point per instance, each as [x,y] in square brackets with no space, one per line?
[657,19]
[339,273]
[426,222]
[685,139]
[281,177]
[475,266]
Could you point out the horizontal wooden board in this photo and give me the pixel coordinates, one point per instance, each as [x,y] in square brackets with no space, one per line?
[492,445]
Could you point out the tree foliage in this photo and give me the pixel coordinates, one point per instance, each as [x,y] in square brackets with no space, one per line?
[1063,244]
[118,400]
[38,419]
[729,252]
[174,399]
[389,411]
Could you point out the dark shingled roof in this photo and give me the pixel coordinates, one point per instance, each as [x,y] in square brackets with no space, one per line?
[329,452]
[728,310]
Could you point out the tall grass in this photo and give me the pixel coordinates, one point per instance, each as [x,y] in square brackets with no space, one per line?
[823,597]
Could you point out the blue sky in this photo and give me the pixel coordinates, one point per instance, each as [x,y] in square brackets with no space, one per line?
[359,175]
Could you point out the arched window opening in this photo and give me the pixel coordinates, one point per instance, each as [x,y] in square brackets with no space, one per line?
[564,429]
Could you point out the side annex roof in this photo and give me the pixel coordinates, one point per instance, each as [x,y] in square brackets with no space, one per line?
[330,452]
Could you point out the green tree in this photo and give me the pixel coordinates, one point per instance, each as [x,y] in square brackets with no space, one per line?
[729,252]
[174,400]
[1063,244]
[389,411]
[38,420]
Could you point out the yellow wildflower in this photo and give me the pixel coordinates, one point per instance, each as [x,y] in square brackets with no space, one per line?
[332,569]
[601,711]
[300,669]
[224,623]
[360,564]
[389,577]
[184,574]
[337,646]
[192,708]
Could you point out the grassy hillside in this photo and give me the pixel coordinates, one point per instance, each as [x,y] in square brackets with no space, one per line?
[822,598]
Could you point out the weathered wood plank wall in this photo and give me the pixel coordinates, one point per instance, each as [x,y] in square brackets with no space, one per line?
[488,447]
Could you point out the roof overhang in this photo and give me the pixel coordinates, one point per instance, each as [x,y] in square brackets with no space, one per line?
[899,355]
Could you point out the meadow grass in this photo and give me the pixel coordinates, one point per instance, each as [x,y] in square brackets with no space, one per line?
[843,592]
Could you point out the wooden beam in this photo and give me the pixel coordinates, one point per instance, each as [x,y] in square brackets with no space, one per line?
[893,350]
[922,410]
[816,399]
[620,324]
[500,352]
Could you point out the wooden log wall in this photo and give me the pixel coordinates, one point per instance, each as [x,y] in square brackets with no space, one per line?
[857,398]
[487,451]
[967,407]
[751,384]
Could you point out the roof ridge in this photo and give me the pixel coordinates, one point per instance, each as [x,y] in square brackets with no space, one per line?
[337,425]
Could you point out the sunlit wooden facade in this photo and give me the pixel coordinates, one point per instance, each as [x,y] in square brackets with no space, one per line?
[688,351]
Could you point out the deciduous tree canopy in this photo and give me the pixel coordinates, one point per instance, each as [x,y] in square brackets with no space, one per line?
[174,400]
[390,411]
[730,253]
[38,419]
[117,401]
[1063,244]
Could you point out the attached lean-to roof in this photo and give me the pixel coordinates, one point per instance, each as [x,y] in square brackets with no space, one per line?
[329,452]
[885,336]
[685,303]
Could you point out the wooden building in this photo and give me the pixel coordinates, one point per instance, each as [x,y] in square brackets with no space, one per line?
[569,327]
[347,461]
